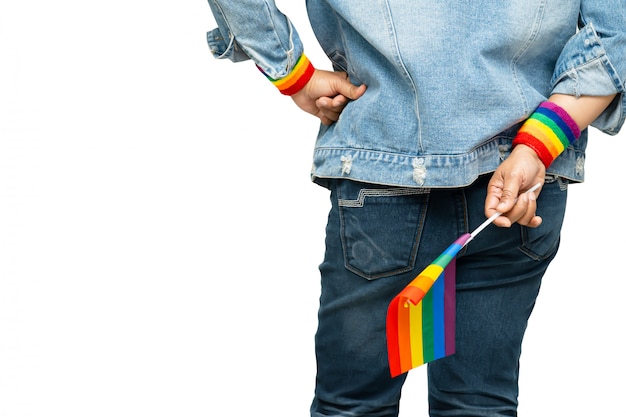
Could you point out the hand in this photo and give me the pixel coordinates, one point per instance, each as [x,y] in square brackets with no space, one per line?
[519,172]
[326,94]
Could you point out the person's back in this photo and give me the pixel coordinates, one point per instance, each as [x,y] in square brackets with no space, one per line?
[444,80]
[466,106]
[450,78]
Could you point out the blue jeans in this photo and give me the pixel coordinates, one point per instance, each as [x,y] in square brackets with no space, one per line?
[378,239]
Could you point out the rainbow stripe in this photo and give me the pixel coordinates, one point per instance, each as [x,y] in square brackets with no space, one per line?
[548,131]
[421,318]
[296,79]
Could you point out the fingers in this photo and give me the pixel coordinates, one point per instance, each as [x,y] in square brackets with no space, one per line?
[501,196]
[503,193]
[518,173]
[530,218]
[516,207]
[508,197]
[352,91]
[523,212]
[330,108]
[345,88]
[327,94]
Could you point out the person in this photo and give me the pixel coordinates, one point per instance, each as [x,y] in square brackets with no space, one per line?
[436,115]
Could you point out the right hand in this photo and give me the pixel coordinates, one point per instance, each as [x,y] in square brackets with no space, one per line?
[326,94]
[505,192]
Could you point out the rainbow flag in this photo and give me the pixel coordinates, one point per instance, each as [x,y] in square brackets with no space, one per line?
[421,319]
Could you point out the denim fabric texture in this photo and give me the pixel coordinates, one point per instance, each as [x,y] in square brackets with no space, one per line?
[434,107]
[378,239]
[407,164]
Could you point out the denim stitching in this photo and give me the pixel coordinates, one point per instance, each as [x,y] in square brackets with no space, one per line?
[386,192]
[531,38]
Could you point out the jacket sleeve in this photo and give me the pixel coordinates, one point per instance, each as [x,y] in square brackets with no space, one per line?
[257,30]
[593,62]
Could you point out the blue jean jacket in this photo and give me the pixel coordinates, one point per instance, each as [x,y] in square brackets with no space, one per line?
[448,85]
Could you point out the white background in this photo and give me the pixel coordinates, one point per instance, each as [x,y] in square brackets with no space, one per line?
[160,236]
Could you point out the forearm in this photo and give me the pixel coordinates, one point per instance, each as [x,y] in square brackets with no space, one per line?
[558,122]
[257,30]
[583,110]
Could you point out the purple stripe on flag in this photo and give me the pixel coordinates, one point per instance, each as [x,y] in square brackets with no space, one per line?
[450,306]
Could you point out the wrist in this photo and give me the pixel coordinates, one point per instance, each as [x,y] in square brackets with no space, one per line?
[548,132]
[526,152]
[296,79]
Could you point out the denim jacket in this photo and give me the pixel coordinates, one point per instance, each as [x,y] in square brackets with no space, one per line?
[448,85]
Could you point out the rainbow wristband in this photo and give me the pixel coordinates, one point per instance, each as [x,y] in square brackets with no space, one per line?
[296,79]
[548,131]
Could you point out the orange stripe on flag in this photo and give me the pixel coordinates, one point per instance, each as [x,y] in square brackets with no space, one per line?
[404,338]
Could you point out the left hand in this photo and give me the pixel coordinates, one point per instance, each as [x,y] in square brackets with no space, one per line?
[326,94]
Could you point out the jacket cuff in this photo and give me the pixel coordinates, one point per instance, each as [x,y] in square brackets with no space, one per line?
[584,69]
[296,79]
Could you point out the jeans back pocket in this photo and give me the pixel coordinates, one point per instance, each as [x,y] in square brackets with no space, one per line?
[380,227]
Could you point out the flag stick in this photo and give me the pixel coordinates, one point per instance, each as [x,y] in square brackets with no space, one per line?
[495,216]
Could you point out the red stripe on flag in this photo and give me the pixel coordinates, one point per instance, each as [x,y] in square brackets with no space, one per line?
[393,347]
